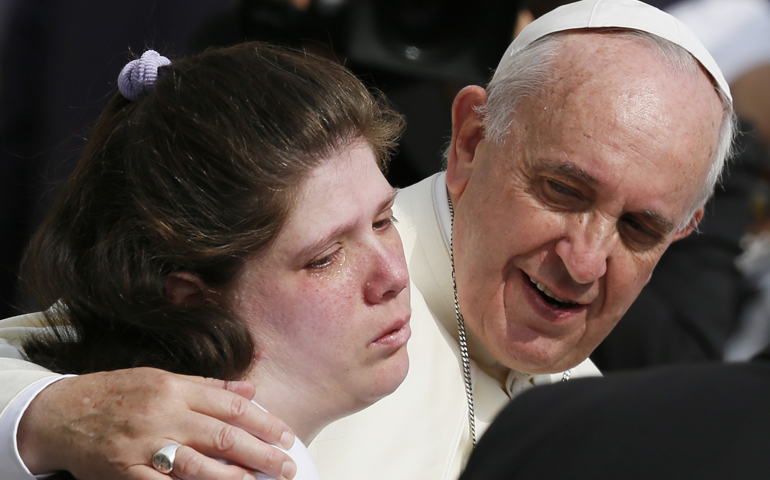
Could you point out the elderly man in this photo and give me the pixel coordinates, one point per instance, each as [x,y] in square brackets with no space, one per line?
[595,146]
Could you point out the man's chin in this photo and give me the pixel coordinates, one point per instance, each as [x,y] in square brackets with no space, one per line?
[543,358]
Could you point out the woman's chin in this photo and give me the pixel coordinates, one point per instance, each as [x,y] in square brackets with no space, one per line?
[391,376]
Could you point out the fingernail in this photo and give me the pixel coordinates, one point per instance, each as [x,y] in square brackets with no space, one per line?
[287,440]
[249,476]
[288,470]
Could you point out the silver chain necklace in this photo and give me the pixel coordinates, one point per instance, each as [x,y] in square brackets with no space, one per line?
[461,330]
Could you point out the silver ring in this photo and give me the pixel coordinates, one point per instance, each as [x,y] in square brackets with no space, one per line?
[163,460]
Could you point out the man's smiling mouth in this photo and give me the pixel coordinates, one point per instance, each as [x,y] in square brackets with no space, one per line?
[550,297]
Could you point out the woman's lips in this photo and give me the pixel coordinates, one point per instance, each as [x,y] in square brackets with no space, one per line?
[396,336]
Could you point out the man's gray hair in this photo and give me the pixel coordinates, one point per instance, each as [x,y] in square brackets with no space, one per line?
[529,70]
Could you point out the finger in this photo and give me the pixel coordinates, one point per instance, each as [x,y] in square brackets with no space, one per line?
[240,412]
[141,472]
[242,388]
[191,465]
[223,441]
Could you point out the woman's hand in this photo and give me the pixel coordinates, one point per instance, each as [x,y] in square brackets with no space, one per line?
[109,425]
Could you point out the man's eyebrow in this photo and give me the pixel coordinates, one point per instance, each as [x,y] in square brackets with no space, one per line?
[662,223]
[341,230]
[569,169]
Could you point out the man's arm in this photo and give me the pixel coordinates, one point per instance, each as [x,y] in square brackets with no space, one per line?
[109,424]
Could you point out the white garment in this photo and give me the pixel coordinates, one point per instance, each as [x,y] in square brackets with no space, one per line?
[13,467]
[20,382]
[298,452]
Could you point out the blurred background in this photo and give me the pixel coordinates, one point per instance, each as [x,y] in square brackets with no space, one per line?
[709,298]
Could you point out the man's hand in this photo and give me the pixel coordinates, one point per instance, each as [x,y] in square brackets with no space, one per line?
[109,425]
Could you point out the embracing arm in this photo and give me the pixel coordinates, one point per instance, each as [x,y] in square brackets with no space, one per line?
[109,424]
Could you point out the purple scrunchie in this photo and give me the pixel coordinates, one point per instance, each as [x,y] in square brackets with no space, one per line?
[139,76]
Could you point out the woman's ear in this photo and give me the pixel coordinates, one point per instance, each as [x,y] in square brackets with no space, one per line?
[184,288]
[467,132]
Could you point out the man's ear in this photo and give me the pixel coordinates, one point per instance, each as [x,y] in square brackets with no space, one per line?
[696,218]
[184,288]
[467,132]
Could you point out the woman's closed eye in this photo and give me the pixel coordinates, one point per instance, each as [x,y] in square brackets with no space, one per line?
[326,260]
[384,223]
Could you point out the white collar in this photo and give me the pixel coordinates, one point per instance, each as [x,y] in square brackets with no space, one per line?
[442,205]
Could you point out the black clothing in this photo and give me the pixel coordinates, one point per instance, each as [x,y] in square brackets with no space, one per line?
[686,422]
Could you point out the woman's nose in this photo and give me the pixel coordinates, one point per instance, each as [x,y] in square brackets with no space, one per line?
[389,274]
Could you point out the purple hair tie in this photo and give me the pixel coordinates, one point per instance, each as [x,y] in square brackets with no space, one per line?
[139,76]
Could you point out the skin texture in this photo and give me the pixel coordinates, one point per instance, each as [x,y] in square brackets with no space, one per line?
[587,191]
[329,303]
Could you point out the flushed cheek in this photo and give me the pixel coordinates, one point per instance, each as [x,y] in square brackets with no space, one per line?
[319,310]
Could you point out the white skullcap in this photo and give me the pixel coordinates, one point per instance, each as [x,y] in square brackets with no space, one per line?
[629,14]
[736,32]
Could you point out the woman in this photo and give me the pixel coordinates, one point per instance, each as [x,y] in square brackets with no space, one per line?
[229,219]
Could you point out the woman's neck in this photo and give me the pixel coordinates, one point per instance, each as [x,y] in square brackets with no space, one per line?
[303,407]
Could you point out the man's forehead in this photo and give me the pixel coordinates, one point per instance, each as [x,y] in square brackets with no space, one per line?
[625,14]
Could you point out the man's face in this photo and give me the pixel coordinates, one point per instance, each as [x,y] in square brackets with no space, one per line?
[558,229]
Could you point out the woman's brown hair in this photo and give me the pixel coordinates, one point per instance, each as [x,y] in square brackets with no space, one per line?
[196,177]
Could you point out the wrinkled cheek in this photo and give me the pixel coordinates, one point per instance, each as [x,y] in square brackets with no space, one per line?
[510,298]
[486,291]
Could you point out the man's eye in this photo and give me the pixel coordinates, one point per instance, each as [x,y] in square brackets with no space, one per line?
[637,235]
[561,189]
[561,196]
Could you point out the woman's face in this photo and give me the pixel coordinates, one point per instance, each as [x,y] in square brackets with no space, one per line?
[328,304]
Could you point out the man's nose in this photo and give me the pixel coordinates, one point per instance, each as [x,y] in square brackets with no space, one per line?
[585,248]
[388,275]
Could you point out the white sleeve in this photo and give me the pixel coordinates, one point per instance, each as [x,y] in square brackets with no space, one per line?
[9,351]
[13,467]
